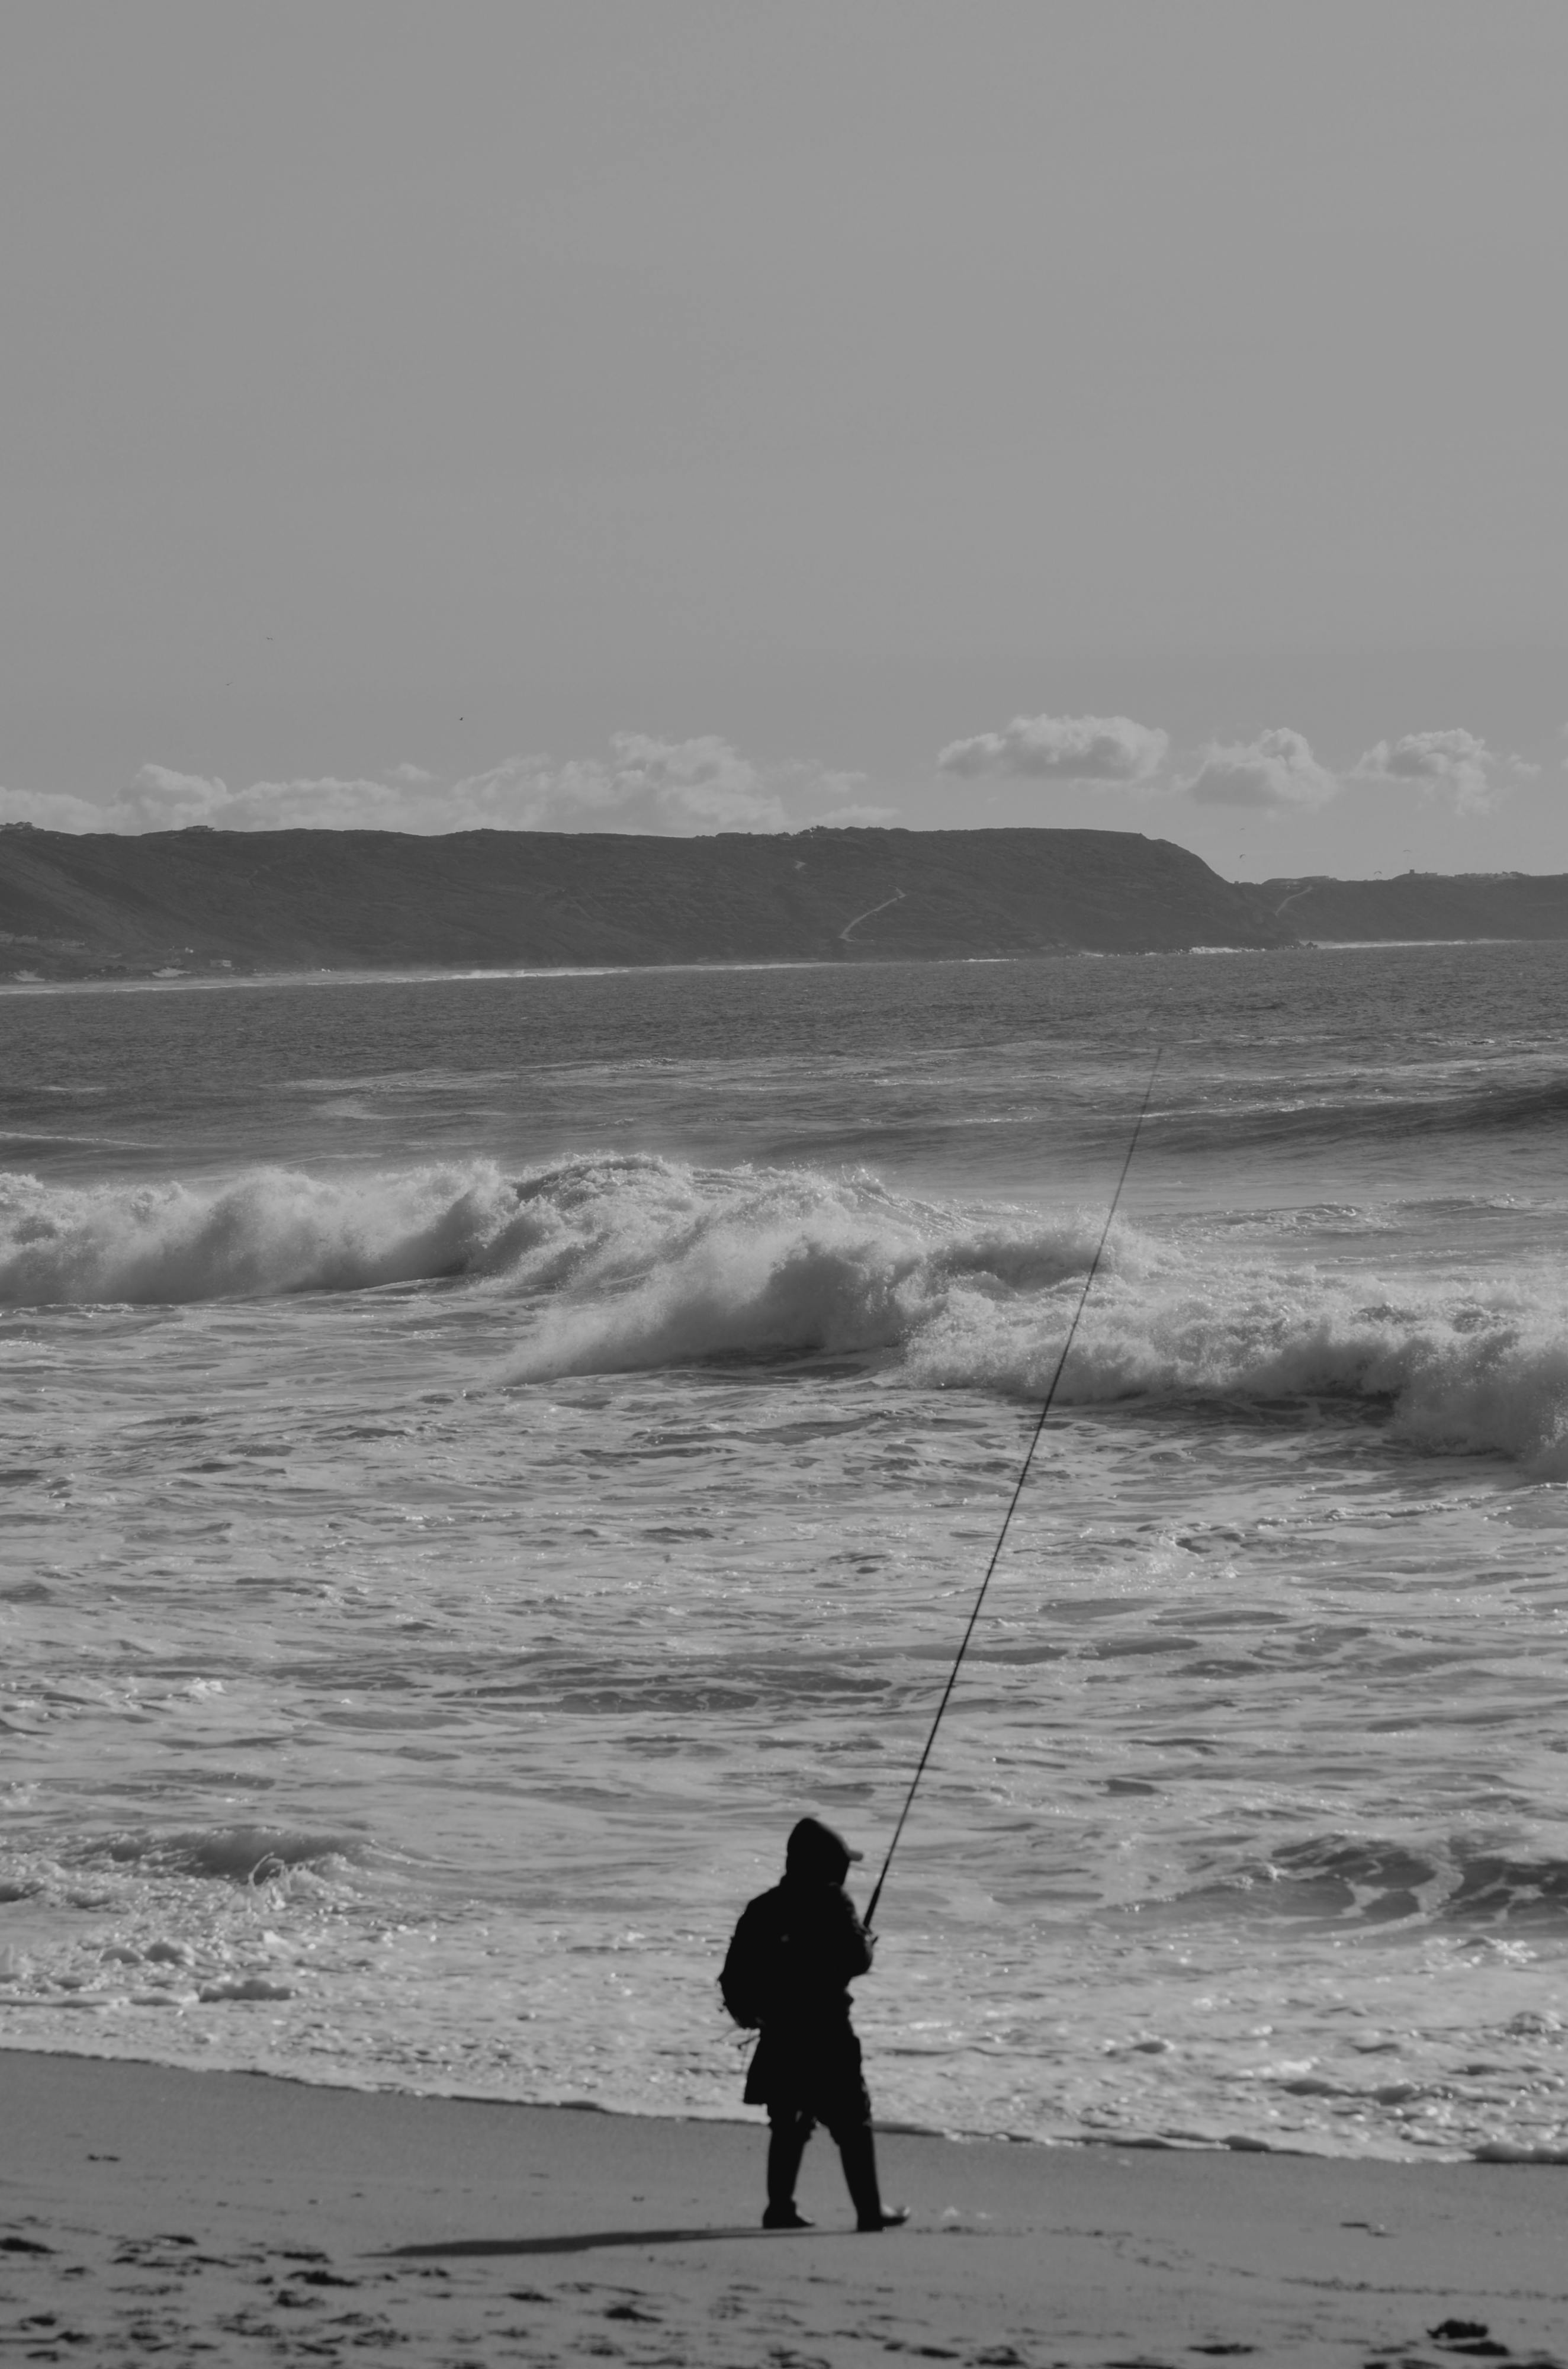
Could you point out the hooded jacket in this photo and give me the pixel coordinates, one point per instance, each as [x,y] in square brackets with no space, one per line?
[799,1947]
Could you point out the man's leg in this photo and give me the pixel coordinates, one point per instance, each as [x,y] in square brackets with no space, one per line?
[857,2151]
[787,2133]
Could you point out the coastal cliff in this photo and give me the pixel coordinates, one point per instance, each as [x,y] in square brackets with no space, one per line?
[204,900]
[1421,906]
[108,905]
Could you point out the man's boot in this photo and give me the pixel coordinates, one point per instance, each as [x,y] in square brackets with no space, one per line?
[786,2145]
[857,2151]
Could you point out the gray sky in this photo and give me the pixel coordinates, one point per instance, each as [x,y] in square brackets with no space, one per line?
[644,413]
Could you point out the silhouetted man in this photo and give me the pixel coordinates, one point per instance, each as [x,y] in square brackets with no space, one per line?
[794,1952]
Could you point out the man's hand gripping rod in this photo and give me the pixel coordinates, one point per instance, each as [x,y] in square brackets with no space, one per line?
[1018,1490]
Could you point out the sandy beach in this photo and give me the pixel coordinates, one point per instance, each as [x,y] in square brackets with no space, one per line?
[233,2217]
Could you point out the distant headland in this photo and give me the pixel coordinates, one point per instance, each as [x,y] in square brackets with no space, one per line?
[195,901]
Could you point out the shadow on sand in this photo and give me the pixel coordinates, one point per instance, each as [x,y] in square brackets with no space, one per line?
[581,2243]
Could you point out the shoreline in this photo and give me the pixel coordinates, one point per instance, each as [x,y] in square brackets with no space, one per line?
[340,2081]
[194,2211]
[451,974]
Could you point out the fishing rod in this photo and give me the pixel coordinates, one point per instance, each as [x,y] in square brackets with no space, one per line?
[1018,1489]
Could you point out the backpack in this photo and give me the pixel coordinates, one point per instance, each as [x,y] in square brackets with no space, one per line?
[746,1976]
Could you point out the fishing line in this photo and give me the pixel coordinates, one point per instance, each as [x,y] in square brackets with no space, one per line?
[1018,1489]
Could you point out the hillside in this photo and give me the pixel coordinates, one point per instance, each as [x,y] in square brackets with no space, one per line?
[205,900]
[1422,905]
[201,900]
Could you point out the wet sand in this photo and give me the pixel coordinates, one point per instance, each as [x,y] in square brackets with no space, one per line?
[231,2217]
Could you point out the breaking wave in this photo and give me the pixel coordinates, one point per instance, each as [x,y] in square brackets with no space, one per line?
[1467,1367]
[613,1264]
[652,1265]
[1341,1881]
[269,1231]
[241,1854]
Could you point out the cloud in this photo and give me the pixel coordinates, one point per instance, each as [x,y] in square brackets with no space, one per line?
[49,810]
[694,786]
[1277,770]
[1455,762]
[676,787]
[686,788]
[1110,749]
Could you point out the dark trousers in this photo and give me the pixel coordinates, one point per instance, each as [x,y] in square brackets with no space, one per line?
[789,2127]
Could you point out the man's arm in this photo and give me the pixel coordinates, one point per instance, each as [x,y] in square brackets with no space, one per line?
[852,1941]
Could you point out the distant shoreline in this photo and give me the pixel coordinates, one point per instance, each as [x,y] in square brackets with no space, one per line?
[171,907]
[438,975]
[435,975]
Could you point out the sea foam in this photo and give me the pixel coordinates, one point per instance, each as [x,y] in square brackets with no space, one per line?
[657,1267]
[622,1263]
[268,1231]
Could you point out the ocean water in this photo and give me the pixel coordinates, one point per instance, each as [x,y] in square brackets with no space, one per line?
[479,1457]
